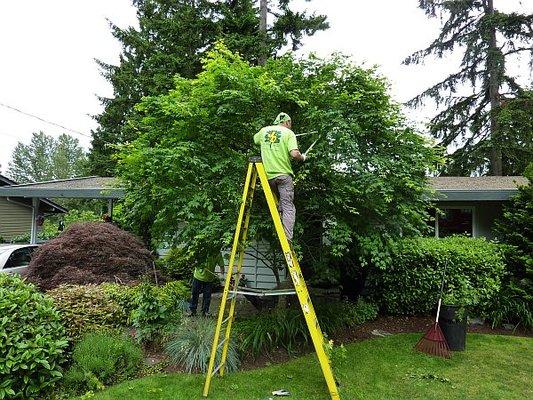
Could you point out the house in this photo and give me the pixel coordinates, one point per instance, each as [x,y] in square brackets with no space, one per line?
[32,200]
[16,212]
[471,205]
[467,206]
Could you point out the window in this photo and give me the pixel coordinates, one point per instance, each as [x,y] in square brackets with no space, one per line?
[20,258]
[455,221]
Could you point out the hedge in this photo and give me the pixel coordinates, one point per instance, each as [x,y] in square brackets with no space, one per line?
[410,283]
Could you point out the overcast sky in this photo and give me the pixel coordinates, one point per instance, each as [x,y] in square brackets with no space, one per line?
[48,50]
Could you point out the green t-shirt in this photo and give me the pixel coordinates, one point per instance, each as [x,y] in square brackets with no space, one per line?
[276,144]
[206,271]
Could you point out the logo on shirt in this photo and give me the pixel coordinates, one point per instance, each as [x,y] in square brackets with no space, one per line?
[272,137]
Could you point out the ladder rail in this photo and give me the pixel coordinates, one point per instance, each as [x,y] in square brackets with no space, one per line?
[257,171]
[244,234]
[236,240]
[300,286]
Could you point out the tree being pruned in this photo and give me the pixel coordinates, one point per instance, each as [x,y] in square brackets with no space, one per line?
[472,98]
[363,185]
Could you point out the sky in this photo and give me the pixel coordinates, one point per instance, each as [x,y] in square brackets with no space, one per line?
[48,50]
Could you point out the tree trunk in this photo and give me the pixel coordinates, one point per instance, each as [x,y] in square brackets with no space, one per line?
[263,9]
[495,70]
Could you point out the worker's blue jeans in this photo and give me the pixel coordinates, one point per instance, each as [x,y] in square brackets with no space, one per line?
[197,288]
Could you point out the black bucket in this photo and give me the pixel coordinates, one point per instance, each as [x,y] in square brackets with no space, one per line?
[454,331]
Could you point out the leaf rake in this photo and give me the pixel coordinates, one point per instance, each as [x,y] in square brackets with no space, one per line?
[433,342]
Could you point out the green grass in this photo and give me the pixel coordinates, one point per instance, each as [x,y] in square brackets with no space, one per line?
[492,367]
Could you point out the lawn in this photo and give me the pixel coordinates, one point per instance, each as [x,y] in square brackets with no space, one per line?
[492,367]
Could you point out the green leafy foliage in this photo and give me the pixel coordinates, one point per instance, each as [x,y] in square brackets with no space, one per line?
[32,341]
[410,283]
[177,264]
[364,183]
[156,313]
[90,308]
[46,158]
[191,342]
[100,359]
[515,229]
[287,327]
[87,308]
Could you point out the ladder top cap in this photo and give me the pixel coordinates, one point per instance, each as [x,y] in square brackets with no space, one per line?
[255,159]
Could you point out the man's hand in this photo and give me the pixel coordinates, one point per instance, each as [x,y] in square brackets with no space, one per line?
[297,155]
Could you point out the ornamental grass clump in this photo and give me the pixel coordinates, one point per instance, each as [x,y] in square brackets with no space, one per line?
[32,341]
[190,346]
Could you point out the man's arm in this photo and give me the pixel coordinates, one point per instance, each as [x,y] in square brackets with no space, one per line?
[292,144]
[295,154]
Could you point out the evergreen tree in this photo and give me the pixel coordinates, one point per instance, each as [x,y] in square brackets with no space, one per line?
[46,158]
[172,38]
[471,121]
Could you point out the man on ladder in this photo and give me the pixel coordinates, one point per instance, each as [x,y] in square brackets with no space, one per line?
[278,145]
[273,170]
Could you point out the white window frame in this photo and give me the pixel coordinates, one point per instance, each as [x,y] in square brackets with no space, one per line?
[474,217]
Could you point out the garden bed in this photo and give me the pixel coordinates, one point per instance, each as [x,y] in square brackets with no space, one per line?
[375,369]
[383,324]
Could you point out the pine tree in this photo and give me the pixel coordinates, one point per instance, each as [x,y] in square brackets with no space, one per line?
[172,38]
[471,121]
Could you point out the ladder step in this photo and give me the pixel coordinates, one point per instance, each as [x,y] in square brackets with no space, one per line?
[216,369]
[221,343]
[226,320]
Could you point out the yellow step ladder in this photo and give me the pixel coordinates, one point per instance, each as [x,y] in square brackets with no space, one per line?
[231,290]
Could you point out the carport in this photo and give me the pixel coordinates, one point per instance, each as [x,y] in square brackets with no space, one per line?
[92,187]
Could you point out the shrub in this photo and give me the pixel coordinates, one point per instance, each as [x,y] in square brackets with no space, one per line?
[156,313]
[172,295]
[191,343]
[278,328]
[91,252]
[511,306]
[287,327]
[177,264]
[32,340]
[410,283]
[87,308]
[23,238]
[515,304]
[101,359]
[338,315]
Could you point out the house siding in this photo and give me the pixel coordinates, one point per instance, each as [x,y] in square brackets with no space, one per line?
[257,272]
[15,219]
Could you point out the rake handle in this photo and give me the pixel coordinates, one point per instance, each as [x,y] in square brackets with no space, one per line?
[441,291]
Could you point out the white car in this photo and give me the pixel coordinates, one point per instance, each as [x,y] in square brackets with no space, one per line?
[15,258]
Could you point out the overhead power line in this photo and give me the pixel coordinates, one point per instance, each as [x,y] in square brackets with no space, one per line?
[44,120]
